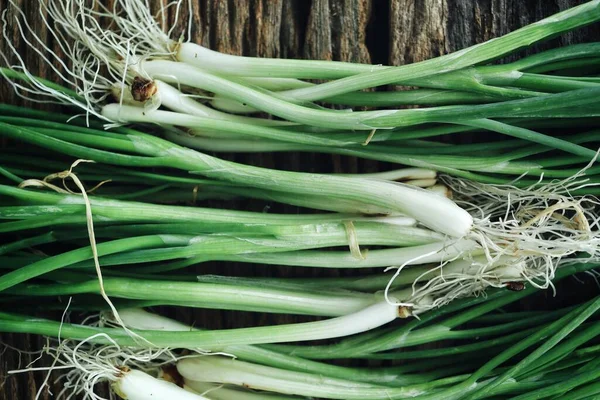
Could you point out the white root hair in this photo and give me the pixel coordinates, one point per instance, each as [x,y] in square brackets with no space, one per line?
[86,364]
[97,57]
[82,72]
[525,235]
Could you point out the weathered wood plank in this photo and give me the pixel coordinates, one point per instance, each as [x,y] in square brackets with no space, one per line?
[421,29]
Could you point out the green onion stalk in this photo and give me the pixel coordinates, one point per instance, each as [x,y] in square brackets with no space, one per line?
[522,74]
[247,237]
[475,226]
[151,151]
[502,158]
[132,235]
[270,370]
[167,186]
[219,369]
[214,123]
[347,77]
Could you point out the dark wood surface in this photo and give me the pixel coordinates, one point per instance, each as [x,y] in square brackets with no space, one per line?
[371,31]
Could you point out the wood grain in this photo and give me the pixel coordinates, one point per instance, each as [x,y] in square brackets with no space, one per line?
[379,31]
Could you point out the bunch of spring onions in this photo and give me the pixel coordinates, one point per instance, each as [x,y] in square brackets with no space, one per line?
[114,216]
[546,351]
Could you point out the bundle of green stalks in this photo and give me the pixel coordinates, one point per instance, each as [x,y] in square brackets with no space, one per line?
[118,210]
[548,351]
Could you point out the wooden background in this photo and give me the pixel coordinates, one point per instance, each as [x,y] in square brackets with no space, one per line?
[369,31]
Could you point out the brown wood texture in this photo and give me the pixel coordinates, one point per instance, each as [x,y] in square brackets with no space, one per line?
[377,31]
